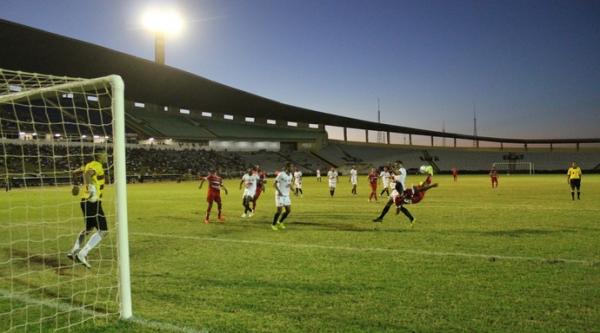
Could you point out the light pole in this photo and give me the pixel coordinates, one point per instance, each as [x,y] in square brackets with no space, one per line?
[162,22]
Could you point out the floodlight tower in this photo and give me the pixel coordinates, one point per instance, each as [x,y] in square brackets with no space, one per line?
[162,22]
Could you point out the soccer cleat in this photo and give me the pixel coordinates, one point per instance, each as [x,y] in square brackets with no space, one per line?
[280,225]
[412,223]
[243,216]
[206,221]
[250,214]
[73,255]
[274,227]
[83,260]
[379,219]
[221,218]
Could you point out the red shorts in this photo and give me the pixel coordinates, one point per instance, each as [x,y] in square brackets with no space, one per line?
[257,194]
[374,187]
[213,196]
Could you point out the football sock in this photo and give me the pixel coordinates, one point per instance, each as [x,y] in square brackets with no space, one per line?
[578,195]
[283,216]
[331,192]
[385,210]
[301,191]
[276,217]
[572,195]
[78,242]
[94,240]
[407,213]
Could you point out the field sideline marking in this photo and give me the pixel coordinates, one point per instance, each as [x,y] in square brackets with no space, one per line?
[69,308]
[374,249]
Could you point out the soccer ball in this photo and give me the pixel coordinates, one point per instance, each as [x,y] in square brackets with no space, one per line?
[424,169]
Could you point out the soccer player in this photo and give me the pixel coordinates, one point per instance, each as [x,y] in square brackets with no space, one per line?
[373,177]
[283,185]
[298,182]
[319,175]
[332,177]
[354,179]
[574,180]
[215,183]
[494,177]
[260,185]
[249,180]
[412,195]
[401,175]
[454,171]
[385,180]
[91,207]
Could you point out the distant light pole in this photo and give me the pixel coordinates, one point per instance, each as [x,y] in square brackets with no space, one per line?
[162,22]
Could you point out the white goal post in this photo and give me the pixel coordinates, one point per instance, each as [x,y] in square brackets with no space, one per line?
[51,126]
[515,167]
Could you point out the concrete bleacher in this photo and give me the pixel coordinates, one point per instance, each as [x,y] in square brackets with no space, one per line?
[171,126]
[465,159]
[344,154]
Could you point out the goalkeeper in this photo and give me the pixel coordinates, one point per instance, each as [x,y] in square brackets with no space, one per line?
[91,206]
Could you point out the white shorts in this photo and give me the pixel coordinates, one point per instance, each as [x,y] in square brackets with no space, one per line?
[394,195]
[332,184]
[386,185]
[282,200]
[298,185]
[354,182]
[248,193]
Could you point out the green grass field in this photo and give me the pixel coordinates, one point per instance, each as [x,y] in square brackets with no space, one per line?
[520,258]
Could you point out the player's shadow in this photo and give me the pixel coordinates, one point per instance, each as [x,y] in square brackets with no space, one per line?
[341,227]
[25,259]
[517,232]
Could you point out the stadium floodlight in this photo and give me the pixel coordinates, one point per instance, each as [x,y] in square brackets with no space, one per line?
[162,22]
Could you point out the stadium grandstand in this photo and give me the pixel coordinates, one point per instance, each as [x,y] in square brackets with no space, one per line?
[187,120]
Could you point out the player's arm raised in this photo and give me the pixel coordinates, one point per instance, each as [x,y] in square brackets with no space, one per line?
[224,188]
[202,180]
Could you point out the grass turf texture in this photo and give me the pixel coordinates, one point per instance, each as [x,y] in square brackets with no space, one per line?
[522,257]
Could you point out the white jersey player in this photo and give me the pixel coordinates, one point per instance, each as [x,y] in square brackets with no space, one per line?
[401,176]
[354,179]
[249,181]
[385,180]
[298,182]
[332,177]
[283,186]
[319,175]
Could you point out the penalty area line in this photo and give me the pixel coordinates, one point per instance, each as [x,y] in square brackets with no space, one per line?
[65,307]
[373,249]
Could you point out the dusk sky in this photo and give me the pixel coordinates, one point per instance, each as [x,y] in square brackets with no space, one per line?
[530,68]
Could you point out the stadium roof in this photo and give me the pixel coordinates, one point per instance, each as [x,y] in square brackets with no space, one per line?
[32,50]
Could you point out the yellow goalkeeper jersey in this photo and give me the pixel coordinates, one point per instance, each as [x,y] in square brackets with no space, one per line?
[97,178]
[574,173]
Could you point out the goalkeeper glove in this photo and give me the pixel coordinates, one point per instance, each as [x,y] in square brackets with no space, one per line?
[92,193]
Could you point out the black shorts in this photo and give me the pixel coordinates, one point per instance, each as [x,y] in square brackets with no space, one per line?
[575,184]
[93,215]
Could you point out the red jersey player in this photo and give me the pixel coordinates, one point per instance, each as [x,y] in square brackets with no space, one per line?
[454,173]
[260,185]
[215,183]
[373,177]
[494,177]
[412,195]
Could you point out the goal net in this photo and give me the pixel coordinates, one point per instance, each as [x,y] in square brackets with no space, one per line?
[51,126]
[514,167]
